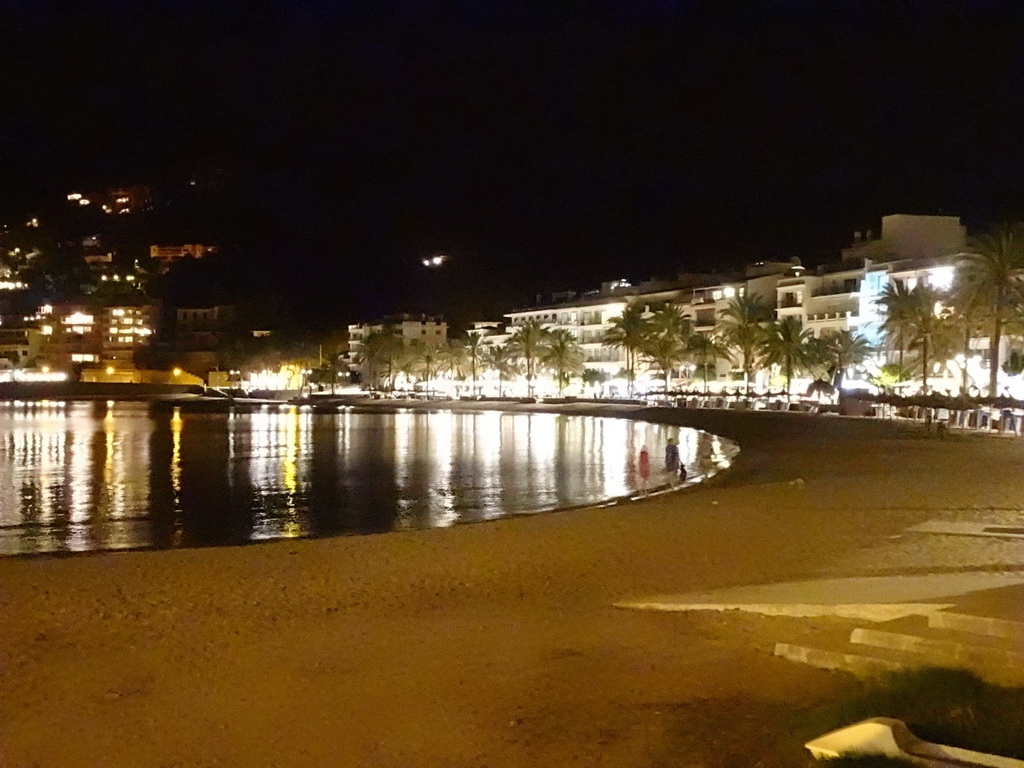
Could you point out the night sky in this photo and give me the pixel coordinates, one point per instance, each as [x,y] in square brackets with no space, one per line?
[544,146]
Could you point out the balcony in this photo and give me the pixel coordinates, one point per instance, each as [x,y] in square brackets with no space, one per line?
[822,316]
[788,304]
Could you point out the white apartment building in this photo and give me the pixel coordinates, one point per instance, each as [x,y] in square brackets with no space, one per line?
[701,298]
[588,316]
[425,328]
[909,249]
[843,296]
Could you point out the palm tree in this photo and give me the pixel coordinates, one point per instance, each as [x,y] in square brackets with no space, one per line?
[891,375]
[406,363]
[705,351]
[380,349]
[528,342]
[929,326]
[668,334]
[741,328]
[426,360]
[629,332]
[474,348]
[969,321]
[453,358]
[785,343]
[501,359]
[842,350]
[989,274]
[592,377]
[562,355]
[897,303]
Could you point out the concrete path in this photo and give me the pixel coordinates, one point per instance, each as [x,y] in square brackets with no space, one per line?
[872,598]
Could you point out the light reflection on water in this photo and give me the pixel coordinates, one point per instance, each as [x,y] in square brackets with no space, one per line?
[79,476]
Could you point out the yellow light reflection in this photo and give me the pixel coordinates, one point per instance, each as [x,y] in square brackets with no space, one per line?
[441,498]
[177,425]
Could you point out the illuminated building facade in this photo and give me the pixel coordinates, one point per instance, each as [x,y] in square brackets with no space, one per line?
[73,336]
[70,335]
[428,329]
[834,297]
[166,255]
[700,297]
[115,201]
[124,329]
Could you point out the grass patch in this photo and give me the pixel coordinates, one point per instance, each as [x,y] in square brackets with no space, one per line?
[945,706]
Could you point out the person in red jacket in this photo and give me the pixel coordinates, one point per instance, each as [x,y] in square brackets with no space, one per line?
[644,468]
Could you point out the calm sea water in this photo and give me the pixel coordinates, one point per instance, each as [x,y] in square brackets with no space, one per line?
[78,477]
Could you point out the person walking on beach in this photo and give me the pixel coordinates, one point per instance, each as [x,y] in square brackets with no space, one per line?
[644,468]
[671,456]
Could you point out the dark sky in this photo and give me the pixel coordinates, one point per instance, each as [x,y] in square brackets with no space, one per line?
[545,145]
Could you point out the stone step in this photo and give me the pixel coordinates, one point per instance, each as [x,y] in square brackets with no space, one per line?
[858,664]
[909,642]
[978,625]
[996,663]
[946,640]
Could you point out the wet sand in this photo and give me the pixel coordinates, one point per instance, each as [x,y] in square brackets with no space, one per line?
[485,645]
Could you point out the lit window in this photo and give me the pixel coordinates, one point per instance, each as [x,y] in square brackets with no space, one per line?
[47,330]
[117,312]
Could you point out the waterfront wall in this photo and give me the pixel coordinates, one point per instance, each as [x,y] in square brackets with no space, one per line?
[79,390]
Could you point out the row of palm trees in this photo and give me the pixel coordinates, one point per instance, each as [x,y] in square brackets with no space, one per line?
[746,333]
[531,351]
[923,325]
[659,338]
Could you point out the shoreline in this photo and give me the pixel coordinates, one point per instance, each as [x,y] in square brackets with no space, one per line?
[495,644]
[714,470]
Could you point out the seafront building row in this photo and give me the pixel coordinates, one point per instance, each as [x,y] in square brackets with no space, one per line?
[94,340]
[97,341]
[839,296]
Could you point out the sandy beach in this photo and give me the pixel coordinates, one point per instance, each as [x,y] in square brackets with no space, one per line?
[488,645]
